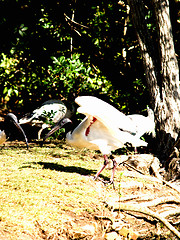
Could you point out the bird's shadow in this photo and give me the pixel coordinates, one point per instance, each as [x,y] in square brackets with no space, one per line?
[61,168]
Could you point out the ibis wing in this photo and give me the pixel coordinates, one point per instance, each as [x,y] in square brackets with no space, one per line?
[121,127]
[111,117]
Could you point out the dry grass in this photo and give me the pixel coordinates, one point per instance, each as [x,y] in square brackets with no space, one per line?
[44,187]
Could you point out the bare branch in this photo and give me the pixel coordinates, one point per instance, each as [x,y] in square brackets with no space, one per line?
[74,22]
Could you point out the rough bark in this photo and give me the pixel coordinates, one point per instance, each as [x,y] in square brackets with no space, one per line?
[161,71]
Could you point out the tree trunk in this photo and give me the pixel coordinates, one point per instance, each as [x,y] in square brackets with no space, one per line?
[161,71]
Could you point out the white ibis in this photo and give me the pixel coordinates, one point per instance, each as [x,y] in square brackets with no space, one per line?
[49,113]
[9,123]
[104,128]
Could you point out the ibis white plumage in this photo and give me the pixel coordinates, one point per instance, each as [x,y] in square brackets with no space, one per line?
[104,128]
[49,113]
[10,122]
[144,124]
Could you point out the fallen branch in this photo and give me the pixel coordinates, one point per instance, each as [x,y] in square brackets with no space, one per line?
[146,211]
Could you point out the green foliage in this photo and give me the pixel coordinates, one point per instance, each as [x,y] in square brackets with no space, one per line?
[7,73]
[65,77]
[19,83]
[72,77]
[48,116]
[105,60]
[48,119]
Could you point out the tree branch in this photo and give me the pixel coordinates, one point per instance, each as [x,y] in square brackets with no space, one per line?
[74,22]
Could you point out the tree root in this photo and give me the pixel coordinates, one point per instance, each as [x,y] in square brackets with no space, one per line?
[162,181]
[143,208]
[161,200]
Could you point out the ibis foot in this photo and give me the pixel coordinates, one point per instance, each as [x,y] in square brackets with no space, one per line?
[106,183]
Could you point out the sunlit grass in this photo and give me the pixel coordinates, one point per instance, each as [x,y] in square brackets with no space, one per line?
[45,189]
[46,184]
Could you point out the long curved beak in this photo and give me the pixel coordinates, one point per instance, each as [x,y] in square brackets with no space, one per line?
[23,133]
[14,120]
[59,125]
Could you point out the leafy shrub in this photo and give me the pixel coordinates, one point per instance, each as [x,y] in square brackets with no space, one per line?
[71,77]
[65,78]
[7,73]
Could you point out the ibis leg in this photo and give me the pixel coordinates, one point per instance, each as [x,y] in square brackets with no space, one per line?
[113,170]
[106,161]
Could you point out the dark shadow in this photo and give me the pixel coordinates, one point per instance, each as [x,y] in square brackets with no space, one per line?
[61,168]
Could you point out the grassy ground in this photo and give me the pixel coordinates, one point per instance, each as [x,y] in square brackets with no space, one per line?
[45,189]
[49,193]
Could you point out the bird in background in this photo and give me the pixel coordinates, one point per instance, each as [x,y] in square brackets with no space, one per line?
[104,128]
[10,123]
[143,125]
[48,114]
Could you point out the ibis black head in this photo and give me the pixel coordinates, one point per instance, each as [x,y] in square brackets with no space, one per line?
[9,123]
[59,125]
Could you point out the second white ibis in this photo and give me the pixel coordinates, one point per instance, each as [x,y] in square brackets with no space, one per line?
[49,113]
[144,124]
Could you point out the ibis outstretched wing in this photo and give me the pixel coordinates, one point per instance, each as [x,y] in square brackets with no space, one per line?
[104,112]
